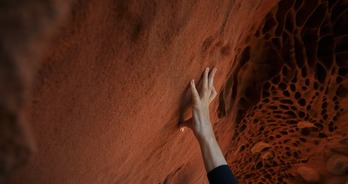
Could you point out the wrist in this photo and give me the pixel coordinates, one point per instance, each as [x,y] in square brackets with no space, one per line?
[206,138]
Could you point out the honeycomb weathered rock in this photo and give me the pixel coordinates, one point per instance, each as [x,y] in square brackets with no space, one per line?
[104,100]
[298,61]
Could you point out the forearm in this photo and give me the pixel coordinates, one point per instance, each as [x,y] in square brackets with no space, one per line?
[211,152]
[203,130]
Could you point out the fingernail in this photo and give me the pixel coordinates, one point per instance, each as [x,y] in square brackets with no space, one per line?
[207,68]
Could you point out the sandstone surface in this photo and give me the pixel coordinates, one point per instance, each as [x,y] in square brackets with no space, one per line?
[99,87]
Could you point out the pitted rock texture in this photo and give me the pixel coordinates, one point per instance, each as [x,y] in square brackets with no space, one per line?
[107,96]
[290,89]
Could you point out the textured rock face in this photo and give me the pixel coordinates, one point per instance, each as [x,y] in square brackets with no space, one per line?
[23,27]
[290,90]
[107,96]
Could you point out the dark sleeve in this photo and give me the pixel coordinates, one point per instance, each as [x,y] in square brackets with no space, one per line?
[222,175]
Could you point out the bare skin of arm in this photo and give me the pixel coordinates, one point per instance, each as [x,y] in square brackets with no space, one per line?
[201,124]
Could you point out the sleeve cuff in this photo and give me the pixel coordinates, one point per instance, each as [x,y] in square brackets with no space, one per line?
[222,175]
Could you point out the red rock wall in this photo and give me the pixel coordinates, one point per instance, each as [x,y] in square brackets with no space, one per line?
[110,89]
[24,26]
[291,118]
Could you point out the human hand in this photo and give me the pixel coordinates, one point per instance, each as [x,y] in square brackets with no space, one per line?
[200,122]
[201,125]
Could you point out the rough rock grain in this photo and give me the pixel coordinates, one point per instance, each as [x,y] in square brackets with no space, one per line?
[309,174]
[105,100]
[337,165]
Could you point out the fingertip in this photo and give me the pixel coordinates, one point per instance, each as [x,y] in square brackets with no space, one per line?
[192,82]
[214,71]
[192,85]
